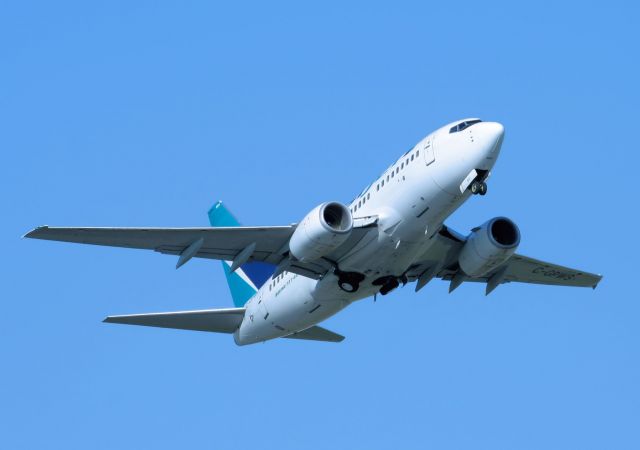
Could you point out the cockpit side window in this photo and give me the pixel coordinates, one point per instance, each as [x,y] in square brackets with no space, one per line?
[463,125]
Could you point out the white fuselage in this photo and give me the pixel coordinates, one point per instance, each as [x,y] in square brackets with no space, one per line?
[410,200]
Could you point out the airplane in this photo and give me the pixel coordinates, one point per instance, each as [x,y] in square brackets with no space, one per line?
[285,280]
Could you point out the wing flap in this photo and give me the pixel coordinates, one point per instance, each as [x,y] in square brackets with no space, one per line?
[225,320]
[317,333]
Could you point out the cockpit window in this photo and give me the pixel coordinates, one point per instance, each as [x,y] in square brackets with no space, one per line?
[463,125]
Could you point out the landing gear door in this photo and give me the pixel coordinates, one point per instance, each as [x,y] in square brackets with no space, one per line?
[427,148]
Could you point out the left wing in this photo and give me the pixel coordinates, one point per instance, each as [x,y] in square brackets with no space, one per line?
[528,270]
[519,268]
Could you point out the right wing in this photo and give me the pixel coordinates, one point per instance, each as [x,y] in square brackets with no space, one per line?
[265,244]
[217,242]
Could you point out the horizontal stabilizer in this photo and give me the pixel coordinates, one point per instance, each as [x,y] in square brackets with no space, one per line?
[317,333]
[225,320]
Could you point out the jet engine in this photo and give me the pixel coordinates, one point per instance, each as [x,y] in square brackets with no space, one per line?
[488,246]
[323,230]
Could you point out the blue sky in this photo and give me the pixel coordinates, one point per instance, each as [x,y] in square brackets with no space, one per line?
[145,113]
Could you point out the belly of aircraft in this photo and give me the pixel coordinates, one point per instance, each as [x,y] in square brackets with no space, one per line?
[400,242]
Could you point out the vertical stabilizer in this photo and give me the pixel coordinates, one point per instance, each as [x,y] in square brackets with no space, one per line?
[249,277]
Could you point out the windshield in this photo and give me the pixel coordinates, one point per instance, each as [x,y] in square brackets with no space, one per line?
[463,125]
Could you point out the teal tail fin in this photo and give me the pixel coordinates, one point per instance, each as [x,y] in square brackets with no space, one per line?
[248,278]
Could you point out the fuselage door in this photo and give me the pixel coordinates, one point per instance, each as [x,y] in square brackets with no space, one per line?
[427,148]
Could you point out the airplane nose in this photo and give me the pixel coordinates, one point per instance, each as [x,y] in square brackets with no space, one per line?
[460,153]
[490,136]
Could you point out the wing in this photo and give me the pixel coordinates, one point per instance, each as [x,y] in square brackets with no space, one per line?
[528,270]
[225,320]
[442,263]
[237,244]
[214,243]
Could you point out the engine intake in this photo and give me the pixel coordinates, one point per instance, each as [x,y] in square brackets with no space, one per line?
[323,230]
[489,246]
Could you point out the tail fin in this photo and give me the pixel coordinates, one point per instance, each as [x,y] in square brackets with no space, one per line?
[244,282]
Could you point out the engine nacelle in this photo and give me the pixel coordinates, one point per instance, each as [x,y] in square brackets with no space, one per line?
[488,246]
[323,230]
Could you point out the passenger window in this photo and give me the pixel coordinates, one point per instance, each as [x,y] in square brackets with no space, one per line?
[417,153]
[397,170]
[392,174]
[377,187]
[407,161]
[387,177]
[382,184]
[368,195]
[411,157]
[402,166]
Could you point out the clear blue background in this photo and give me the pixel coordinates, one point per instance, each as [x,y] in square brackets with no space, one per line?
[145,113]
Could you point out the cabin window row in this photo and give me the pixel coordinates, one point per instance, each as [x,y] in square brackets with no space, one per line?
[275,281]
[390,175]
